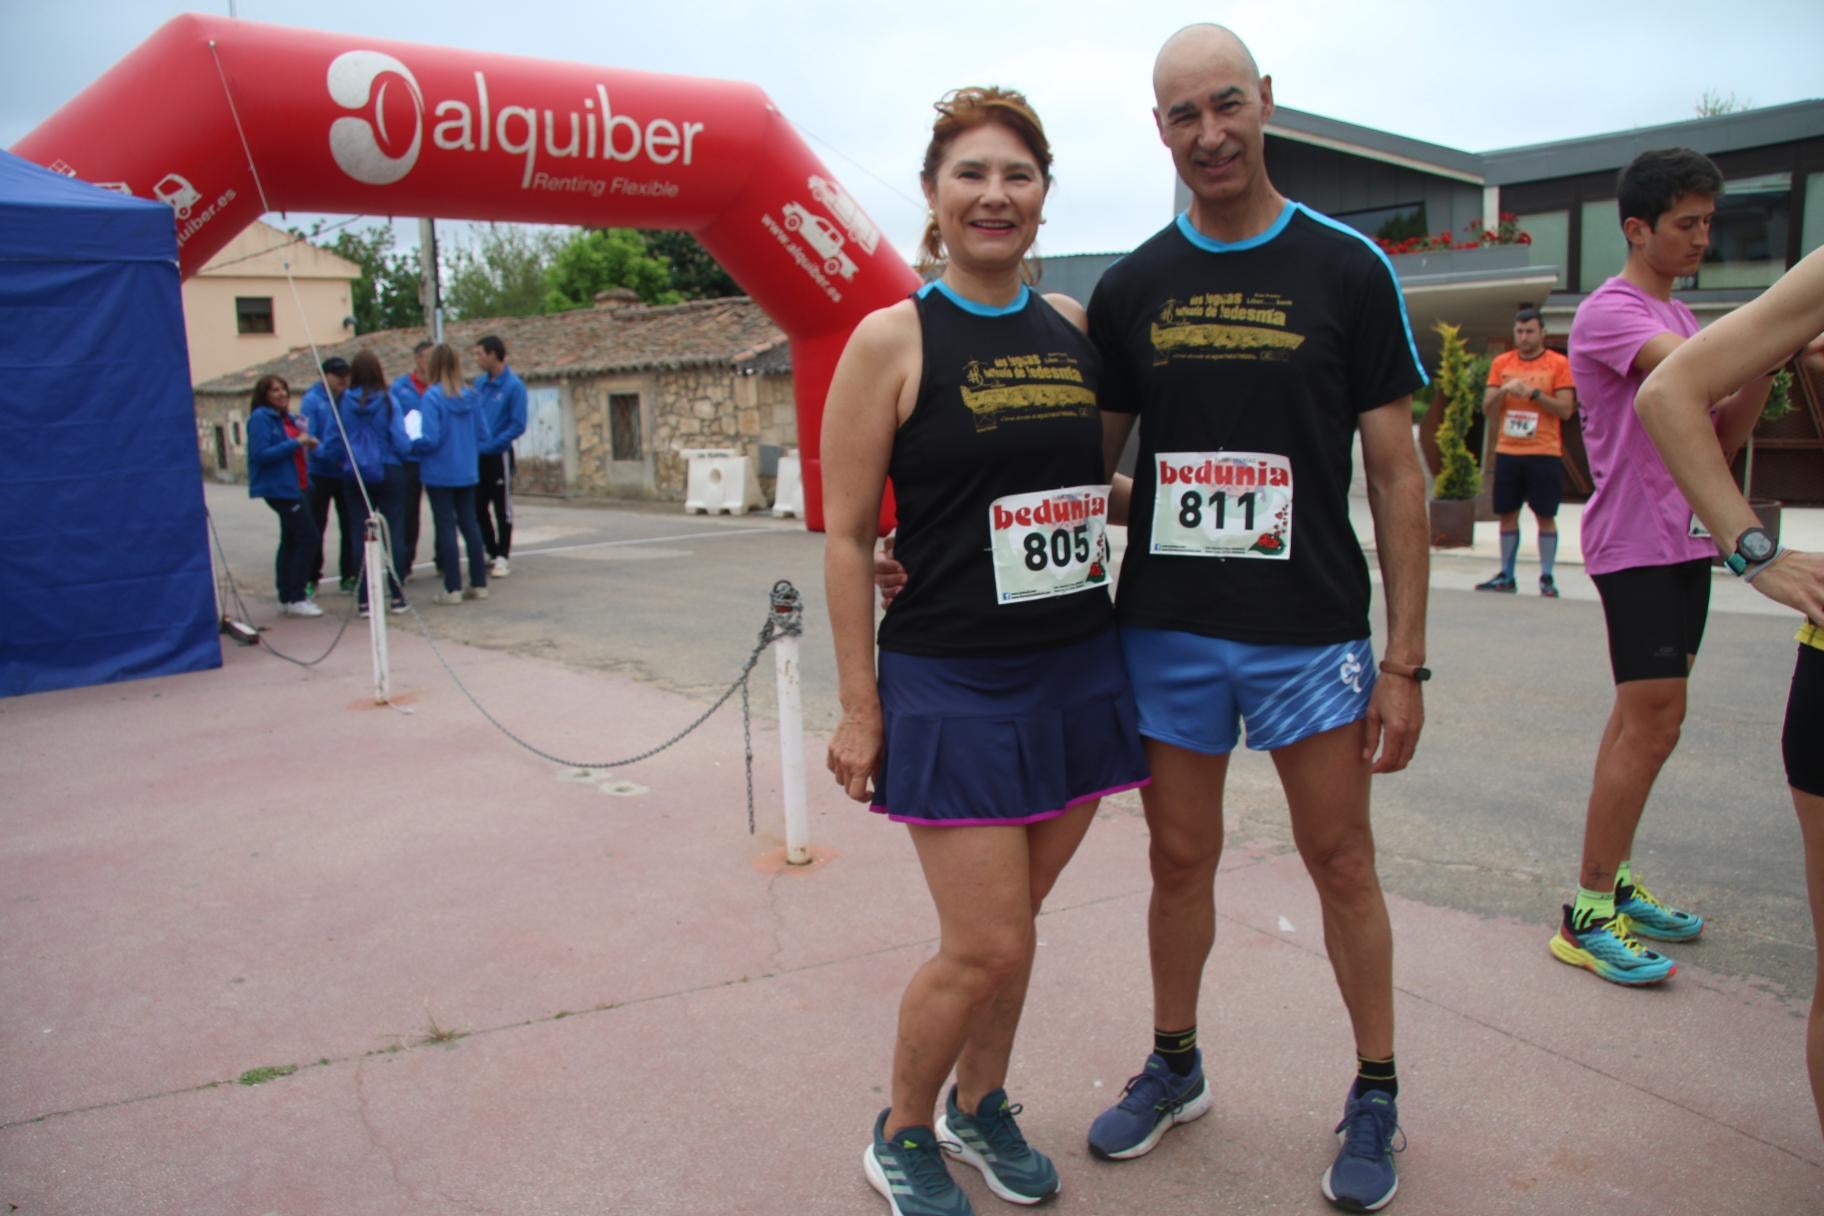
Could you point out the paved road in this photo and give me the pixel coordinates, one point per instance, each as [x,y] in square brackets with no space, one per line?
[1488,819]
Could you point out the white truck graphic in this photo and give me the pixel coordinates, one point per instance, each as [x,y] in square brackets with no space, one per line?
[822,236]
[847,211]
[178,192]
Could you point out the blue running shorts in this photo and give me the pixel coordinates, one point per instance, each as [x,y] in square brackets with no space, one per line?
[1195,692]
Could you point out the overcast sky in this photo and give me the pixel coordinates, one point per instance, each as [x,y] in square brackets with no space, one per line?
[858,78]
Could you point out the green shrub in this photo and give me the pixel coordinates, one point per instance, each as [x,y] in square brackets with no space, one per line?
[1460,380]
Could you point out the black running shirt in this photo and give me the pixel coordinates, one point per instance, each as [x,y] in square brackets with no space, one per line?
[998,478]
[1248,364]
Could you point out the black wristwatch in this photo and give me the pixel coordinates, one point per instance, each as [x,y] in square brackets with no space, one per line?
[1534,395]
[1752,547]
[1411,672]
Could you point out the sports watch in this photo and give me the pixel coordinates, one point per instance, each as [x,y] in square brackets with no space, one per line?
[1410,671]
[1752,547]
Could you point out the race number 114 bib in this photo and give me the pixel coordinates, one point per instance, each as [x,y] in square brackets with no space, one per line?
[1223,504]
[1052,542]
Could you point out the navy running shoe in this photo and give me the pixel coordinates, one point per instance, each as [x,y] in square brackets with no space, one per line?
[909,1170]
[991,1141]
[1153,1103]
[1362,1179]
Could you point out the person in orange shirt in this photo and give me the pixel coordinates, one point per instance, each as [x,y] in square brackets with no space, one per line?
[1529,396]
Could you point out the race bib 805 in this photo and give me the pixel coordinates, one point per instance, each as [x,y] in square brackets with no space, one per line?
[1223,504]
[1052,542]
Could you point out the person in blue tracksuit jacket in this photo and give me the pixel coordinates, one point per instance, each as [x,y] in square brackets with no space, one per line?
[368,408]
[276,445]
[447,452]
[326,479]
[406,391]
[503,411]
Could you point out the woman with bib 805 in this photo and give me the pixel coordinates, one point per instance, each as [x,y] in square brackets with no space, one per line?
[1000,712]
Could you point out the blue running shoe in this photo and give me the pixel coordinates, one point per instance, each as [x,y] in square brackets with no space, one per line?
[1650,918]
[1362,1178]
[1608,948]
[1153,1103]
[909,1170]
[991,1141]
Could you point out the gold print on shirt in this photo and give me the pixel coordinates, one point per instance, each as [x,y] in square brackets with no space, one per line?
[1026,388]
[1228,325]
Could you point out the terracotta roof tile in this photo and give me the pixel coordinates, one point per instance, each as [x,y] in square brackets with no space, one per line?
[588,341]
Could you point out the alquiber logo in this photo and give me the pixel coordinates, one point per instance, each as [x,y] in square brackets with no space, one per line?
[359,144]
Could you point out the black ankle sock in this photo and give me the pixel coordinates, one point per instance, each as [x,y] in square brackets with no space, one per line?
[1178,1048]
[1376,1074]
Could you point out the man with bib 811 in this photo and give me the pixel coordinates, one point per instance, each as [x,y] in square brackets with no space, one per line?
[1253,338]
[1529,396]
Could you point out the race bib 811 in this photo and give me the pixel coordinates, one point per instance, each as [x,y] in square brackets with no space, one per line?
[1052,542]
[1223,504]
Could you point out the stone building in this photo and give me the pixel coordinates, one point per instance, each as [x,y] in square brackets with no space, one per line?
[614,392]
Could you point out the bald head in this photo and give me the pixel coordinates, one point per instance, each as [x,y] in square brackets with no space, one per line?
[1196,49]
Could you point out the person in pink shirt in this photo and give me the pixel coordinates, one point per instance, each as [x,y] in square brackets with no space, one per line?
[1647,553]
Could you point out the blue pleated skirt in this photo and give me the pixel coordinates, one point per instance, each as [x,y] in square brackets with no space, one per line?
[1006,739]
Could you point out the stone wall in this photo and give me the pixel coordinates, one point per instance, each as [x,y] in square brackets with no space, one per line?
[714,407]
[697,407]
[228,412]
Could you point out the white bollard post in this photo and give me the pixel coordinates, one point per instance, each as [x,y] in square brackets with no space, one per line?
[379,595]
[791,752]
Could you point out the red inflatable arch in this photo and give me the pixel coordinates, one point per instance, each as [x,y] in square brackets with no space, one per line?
[362,126]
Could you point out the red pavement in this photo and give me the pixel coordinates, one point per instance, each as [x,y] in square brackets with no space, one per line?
[253,867]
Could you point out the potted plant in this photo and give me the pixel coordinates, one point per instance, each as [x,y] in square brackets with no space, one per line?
[1459,396]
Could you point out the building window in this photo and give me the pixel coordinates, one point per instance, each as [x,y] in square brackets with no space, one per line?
[253,314]
[236,425]
[1811,225]
[1390,224]
[1551,233]
[221,448]
[1604,250]
[1748,235]
[624,426]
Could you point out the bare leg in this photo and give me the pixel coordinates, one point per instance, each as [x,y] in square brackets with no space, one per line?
[1184,815]
[982,1067]
[978,879]
[1326,786]
[1810,808]
[1642,731]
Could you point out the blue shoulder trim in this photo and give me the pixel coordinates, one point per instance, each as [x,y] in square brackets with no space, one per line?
[1212,245]
[1405,317]
[967,305]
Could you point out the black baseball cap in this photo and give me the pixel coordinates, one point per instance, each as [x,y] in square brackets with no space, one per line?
[335,365]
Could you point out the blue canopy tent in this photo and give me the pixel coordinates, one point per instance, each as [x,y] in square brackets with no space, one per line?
[104,557]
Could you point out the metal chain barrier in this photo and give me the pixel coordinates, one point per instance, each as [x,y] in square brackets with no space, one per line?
[240,605]
[784,618]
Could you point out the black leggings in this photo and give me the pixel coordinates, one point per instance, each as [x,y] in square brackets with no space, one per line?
[300,547]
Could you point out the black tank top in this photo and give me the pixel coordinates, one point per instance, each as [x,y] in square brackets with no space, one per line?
[1006,406]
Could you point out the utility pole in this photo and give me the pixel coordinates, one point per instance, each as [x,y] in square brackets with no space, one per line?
[429,291]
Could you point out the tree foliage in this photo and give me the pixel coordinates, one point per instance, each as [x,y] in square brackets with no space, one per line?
[695,275]
[1714,102]
[500,272]
[386,296]
[1460,380]
[596,259]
